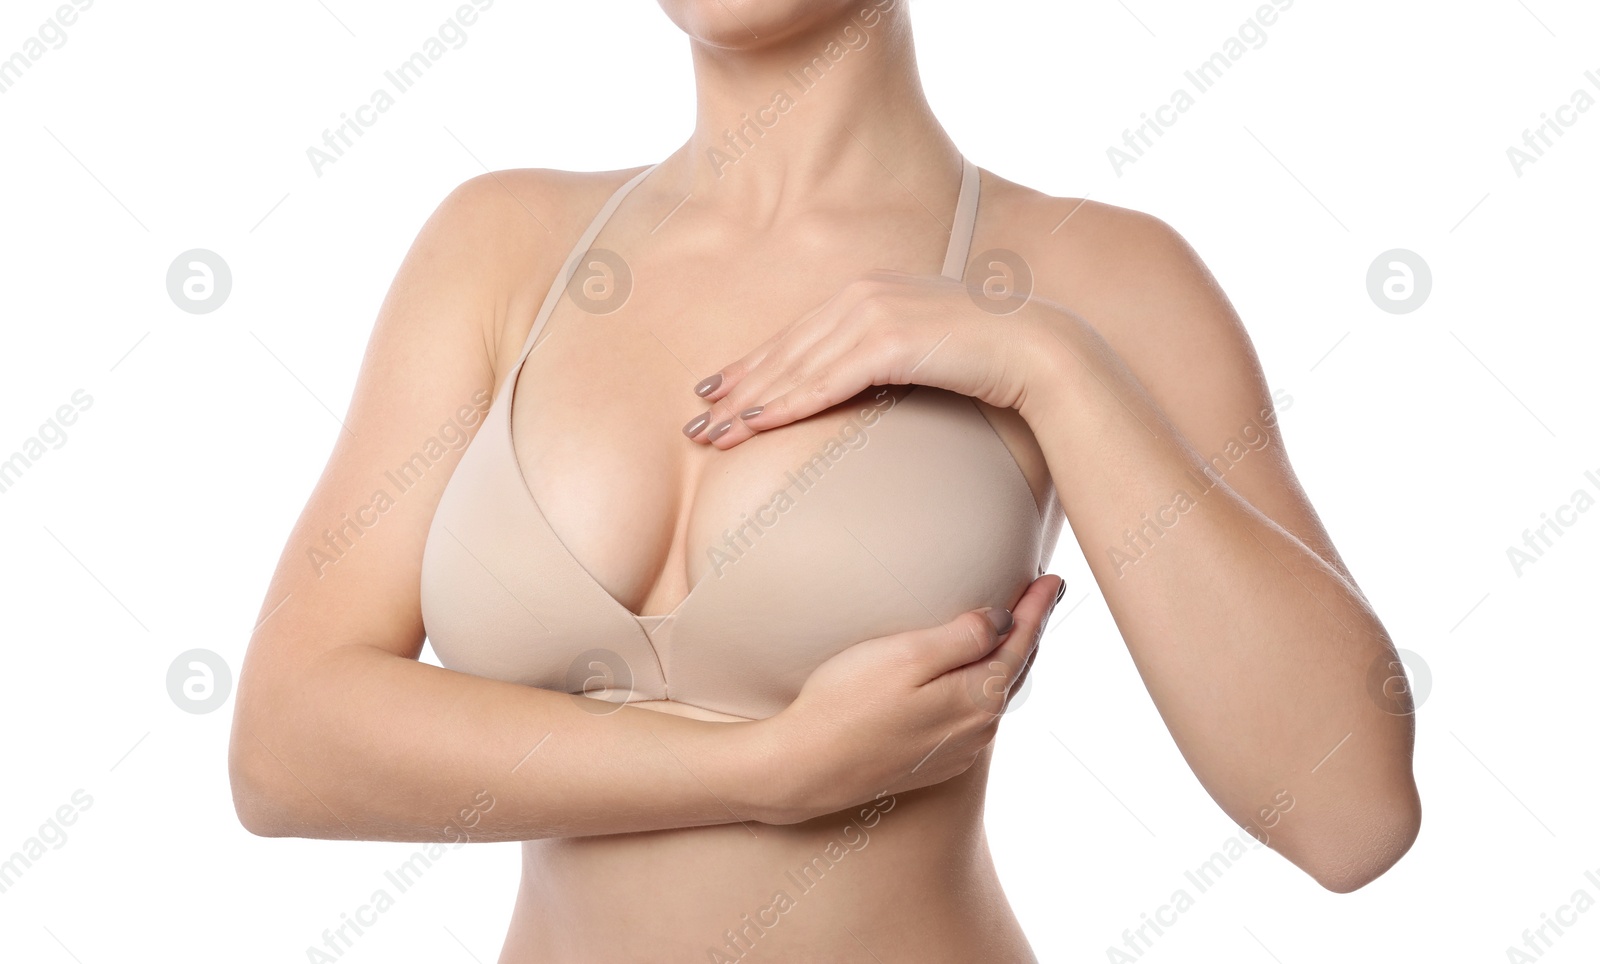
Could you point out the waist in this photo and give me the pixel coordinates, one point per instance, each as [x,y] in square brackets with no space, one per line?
[902,872]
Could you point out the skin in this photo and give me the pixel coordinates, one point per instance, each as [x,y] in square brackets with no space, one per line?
[803,273]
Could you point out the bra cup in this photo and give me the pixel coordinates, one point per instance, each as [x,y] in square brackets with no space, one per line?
[930,520]
[498,602]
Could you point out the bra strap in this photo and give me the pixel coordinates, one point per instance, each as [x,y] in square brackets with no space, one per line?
[570,266]
[966,218]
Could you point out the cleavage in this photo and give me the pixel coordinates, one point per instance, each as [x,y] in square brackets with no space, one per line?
[635,503]
[646,512]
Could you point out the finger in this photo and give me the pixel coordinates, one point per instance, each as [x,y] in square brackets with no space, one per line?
[739,388]
[1033,611]
[779,369]
[970,636]
[831,359]
[726,416]
[1033,653]
[994,676]
[998,687]
[839,372]
[1021,681]
[824,388]
[801,335]
[720,383]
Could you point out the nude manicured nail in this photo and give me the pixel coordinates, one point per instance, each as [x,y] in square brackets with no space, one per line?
[1001,620]
[719,430]
[1061,590]
[697,424]
[751,412]
[708,385]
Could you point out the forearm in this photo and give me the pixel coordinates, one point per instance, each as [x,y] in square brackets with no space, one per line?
[368,745]
[1256,650]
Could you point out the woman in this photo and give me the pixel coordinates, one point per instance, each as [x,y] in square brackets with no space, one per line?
[792,634]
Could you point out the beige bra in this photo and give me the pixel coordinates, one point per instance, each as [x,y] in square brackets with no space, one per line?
[917,515]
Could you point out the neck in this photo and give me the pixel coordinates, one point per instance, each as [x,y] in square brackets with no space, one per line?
[834,112]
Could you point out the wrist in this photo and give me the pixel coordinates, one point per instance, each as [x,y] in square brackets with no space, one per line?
[1069,366]
[1047,356]
[777,785]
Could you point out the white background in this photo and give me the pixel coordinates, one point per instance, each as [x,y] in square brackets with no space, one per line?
[1428,441]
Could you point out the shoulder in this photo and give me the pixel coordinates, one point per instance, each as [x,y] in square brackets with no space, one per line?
[1116,259]
[1140,285]
[522,217]
[507,233]
[1129,273]
[530,203]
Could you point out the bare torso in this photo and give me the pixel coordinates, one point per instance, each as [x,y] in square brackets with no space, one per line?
[906,877]
[909,875]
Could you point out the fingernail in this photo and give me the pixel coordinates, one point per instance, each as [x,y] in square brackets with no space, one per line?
[697,424]
[708,385]
[1061,590]
[719,430]
[751,412]
[1000,619]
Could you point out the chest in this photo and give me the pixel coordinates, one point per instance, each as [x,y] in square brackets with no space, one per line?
[598,406]
[581,528]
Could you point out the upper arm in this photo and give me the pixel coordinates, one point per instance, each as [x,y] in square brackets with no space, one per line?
[350,571]
[1159,307]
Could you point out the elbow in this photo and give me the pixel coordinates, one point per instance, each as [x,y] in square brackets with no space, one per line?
[268,800]
[1363,848]
[278,749]
[257,805]
[257,815]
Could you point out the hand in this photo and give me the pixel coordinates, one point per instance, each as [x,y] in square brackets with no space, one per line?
[904,711]
[886,328]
